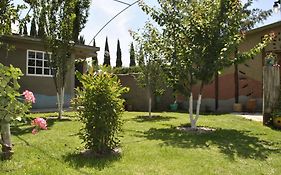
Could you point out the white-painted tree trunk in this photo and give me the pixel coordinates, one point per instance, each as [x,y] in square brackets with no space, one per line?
[191,111]
[193,120]
[6,140]
[149,105]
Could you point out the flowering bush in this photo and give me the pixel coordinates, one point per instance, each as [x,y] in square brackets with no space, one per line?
[12,108]
[29,97]
[39,124]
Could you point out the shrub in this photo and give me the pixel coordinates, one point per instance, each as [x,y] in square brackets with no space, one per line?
[126,70]
[100,107]
[12,106]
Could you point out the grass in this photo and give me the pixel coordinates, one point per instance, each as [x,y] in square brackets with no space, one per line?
[151,146]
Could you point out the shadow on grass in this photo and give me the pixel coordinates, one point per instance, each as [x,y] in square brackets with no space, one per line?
[229,141]
[77,160]
[25,128]
[153,118]
[201,113]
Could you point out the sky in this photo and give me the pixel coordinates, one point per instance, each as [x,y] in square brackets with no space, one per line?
[101,11]
[134,18]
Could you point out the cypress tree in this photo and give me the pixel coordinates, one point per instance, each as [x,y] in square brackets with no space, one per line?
[20,31]
[95,58]
[132,55]
[41,28]
[33,30]
[25,29]
[119,55]
[106,54]
[141,57]
[81,40]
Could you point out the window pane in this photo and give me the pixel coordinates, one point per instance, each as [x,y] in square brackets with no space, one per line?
[31,54]
[52,72]
[46,56]
[31,62]
[39,63]
[46,71]
[31,70]
[39,55]
[46,64]
[39,71]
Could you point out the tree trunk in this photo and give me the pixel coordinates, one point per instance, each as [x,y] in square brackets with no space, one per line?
[6,140]
[149,107]
[149,104]
[60,97]
[198,107]
[192,121]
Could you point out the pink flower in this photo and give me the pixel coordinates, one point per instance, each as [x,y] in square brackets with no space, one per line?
[39,123]
[34,131]
[29,97]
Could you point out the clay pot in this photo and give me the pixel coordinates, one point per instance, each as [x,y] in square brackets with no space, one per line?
[237,107]
[251,105]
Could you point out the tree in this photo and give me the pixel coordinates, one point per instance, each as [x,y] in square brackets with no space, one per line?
[81,11]
[81,40]
[33,30]
[41,24]
[119,55]
[57,19]
[152,76]
[199,38]
[95,58]
[25,29]
[10,106]
[106,61]
[132,55]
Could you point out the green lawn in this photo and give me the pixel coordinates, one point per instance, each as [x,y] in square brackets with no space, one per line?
[238,146]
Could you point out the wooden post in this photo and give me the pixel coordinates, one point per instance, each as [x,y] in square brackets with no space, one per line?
[271,89]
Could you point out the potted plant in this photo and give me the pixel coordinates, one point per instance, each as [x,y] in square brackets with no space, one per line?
[276,119]
[174,106]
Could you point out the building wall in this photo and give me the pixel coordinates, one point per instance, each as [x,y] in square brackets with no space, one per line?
[249,73]
[137,96]
[42,87]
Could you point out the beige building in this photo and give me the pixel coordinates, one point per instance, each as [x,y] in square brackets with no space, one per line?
[29,55]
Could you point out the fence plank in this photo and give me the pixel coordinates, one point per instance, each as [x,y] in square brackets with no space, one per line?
[271,89]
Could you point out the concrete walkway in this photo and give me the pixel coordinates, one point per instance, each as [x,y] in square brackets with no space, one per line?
[251,116]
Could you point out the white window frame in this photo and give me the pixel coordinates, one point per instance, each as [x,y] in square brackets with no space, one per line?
[43,59]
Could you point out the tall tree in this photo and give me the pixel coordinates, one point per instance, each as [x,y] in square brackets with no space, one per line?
[132,55]
[81,11]
[199,38]
[151,75]
[95,58]
[57,21]
[41,24]
[25,32]
[81,40]
[106,61]
[33,30]
[119,55]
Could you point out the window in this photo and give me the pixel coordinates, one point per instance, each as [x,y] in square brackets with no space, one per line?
[38,63]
